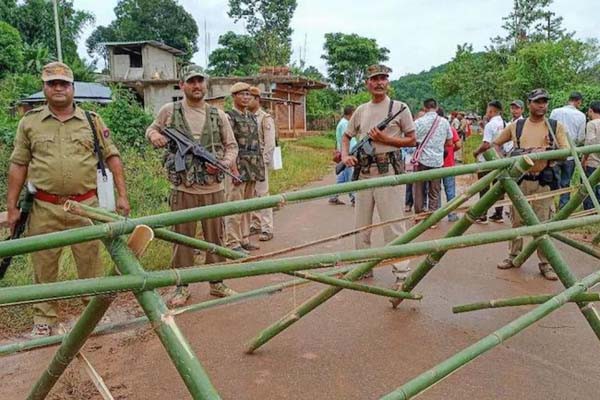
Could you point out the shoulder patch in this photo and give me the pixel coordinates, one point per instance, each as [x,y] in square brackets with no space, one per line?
[33,111]
[106,133]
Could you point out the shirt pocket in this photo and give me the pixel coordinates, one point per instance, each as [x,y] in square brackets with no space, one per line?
[44,146]
[82,143]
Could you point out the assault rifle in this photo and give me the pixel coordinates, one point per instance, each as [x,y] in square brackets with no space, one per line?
[25,205]
[186,145]
[365,145]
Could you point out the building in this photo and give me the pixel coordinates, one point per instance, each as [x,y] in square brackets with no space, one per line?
[84,92]
[151,69]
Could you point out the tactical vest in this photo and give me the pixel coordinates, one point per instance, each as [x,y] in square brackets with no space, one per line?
[250,160]
[195,171]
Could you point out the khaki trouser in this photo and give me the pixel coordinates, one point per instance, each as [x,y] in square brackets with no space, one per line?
[46,218]
[541,208]
[433,193]
[212,228]
[263,219]
[237,226]
[388,202]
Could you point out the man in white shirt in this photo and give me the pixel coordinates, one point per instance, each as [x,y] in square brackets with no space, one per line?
[574,120]
[490,132]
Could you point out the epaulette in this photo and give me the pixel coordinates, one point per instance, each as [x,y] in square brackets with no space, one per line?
[33,111]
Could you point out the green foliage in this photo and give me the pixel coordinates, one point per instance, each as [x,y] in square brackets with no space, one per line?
[11,44]
[325,141]
[268,22]
[322,103]
[237,56]
[12,88]
[36,56]
[82,70]
[348,56]
[162,20]
[34,20]
[356,99]
[590,92]
[469,146]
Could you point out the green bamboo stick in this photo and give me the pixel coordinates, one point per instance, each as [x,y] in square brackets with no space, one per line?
[520,301]
[315,301]
[106,329]
[71,345]
[566,276]
[343,284]
[156,279]
[191,371]
[582,174]
[572,205]
[117,228]
[577,245]
[422,382]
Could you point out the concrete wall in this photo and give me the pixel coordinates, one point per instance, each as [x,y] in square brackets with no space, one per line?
[158,64]
[119,65]
[155,96]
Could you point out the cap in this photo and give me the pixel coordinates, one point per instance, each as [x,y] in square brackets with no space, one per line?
[192,70]
[537,94]
[378,69]
[254,91]
[57,71]
[575,96]
[239,87]
[496,104]
[518,103]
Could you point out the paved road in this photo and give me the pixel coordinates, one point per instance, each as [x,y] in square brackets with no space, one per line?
[356,346]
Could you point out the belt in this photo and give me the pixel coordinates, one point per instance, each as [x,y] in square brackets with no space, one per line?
[530,177]
[57,199]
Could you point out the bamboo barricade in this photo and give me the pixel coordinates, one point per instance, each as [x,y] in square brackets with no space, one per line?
[520,301]
[460,359]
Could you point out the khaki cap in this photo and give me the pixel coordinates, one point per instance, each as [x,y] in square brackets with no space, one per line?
[57,71]
[537,94]
[192,70]
[239,87]
[518,103]
[378,69]
[254,91]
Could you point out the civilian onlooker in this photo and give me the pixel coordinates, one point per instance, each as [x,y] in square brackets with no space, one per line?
[592,161]
[490,132]
[449,182]
[433,134]
[346,174]
[574,120]
[407,153]
[516,110]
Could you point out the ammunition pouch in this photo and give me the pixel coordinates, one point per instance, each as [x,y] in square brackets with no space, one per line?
[550,176]
[382,161]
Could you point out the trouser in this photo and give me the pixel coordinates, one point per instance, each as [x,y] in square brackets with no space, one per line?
[408,195]
[237,226]
[587,203]
[263,219]
[567,167]
[46,218]
[541,208]
[343,177]
[433,193]
[449,183]
[386,201]
[498,210]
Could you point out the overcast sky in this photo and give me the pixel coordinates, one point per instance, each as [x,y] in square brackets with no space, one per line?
[419,34]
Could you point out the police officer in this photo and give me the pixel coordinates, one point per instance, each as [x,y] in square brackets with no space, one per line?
[535,133]
[54,150]
[386,161]
[250,166]
[262,220]
[200,184]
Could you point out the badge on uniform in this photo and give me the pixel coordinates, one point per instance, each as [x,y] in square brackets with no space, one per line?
[106,133]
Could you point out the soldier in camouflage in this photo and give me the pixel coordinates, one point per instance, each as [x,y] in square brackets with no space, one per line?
[250,166]
[200,184]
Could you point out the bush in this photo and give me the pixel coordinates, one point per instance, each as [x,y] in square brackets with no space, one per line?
[11,56]
[590,93]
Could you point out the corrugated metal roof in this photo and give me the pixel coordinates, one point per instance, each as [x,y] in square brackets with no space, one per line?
[154,43]
[84,91]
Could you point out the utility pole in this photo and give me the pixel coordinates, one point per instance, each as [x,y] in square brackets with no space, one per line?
[57,29]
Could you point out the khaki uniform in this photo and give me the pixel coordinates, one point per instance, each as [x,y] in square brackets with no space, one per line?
[197,195]
[263,219]
[238,225]
[534,135]
[387,200]
[61,160]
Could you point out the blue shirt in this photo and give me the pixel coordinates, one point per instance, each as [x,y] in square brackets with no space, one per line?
[339,132]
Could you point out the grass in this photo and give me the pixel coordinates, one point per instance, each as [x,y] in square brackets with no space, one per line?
[304,160]
[469,146]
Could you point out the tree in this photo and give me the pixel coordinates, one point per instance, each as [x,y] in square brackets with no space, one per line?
[530,20]
[11,57]
[162,20]
[34,19]
[268,22]
[348,56]
[236,56]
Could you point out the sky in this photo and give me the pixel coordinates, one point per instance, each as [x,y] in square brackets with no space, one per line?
[419,34]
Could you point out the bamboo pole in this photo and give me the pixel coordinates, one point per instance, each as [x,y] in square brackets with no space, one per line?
[462,225]
[417,385]
[520,301]
[106,329]
[117,228]
[566,276]
[156,279]
[191,371]
[583,176]
[283,323]
[589,250]
[562,214]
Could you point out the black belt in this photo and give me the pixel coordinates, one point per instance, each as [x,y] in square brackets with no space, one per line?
[530,177]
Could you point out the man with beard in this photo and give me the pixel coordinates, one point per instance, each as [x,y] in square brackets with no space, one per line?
[200,184]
